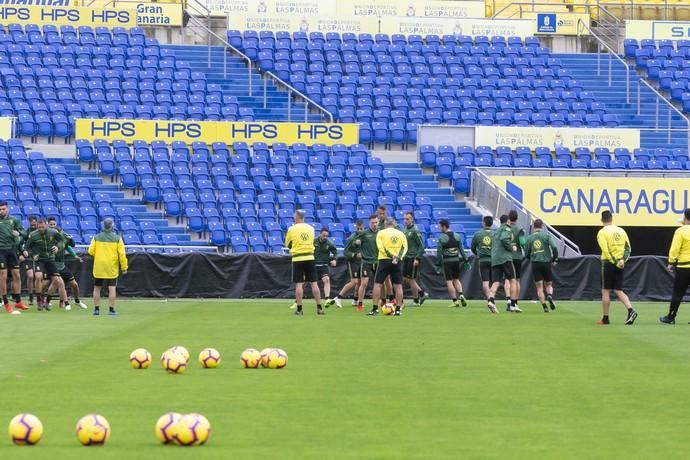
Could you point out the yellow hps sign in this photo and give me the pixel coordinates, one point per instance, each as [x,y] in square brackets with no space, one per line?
[6,128]
[217,131]
[62,16]
[579,201]
[166,13]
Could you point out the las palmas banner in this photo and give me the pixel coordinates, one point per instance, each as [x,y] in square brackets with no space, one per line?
[325,24]
[412,8]
[374,8]
[217,131]
[657,30]
[444,26]
[74,16]
[6,128]
[572,138]
[284,8]
[634,201]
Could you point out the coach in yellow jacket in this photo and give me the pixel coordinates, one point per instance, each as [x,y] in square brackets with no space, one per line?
[109,260]
[679,262]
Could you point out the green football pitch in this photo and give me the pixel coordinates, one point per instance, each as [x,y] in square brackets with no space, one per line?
[437,382]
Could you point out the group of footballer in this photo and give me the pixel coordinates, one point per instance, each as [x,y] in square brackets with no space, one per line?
[39,252]
[392,256]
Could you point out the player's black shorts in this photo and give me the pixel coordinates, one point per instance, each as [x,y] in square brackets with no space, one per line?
[542,271]
[9,260]
[355,270]
[485,270]
[27,265]
[451,270]
[517,266]
[321,271]
[611,276]
[410,270]
[387,268]
[105,282]
[505,270]
[66,275]
[47,267]
[304,271]
[369,270]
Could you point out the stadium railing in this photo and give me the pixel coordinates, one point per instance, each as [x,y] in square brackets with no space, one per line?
[488,195]
[581,26]
[203,30]
[599,10]
[671,108]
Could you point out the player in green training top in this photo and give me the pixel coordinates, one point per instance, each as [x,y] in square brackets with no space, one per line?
[413,260]
[66,245]
[354,261]
[325,255]
[519,243]
[27,265]
[541,250]
[448,255]
[481,247]
[502,247]
[10,234]
[369,254]
[42,245]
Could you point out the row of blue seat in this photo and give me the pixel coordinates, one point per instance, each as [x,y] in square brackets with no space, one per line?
[236,38]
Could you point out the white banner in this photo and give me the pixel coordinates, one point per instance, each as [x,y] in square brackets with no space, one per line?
[657,30]
[572,138]
[505,27]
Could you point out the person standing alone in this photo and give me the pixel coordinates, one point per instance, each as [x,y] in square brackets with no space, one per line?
[679,264]
[109,261]
[615,252]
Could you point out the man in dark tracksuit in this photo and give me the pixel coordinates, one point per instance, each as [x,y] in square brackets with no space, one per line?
[448,255]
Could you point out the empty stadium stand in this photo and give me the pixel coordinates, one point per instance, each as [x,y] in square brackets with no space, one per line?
[390,84]
[79,199]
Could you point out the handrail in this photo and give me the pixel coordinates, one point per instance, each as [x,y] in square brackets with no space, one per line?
[566,242]
[300,94]
[225,43]
[250,64]
[668,103]
[587,6]
[600,42]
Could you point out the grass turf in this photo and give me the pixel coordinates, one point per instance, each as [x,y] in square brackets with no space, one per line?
[435,383]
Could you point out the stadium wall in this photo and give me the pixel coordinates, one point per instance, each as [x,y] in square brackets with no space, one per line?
[268,276]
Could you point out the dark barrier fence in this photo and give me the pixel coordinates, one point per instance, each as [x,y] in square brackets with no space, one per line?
[264,275]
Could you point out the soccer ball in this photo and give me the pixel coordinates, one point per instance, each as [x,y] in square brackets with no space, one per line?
[250,358]
[209,358]
[277,359]
[192,430]
[264,356]
[93,430]
[388,309]
[140,359]
[183,351]
[174,363]
[165,427]
[25,429]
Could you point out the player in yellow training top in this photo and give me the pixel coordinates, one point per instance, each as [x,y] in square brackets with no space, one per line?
[300,240]
[615,251]
[392,246]
[679,262]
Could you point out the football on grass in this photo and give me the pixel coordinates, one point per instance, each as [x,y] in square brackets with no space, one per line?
[209,358]
[250,358]
[25,430]
[93,430]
